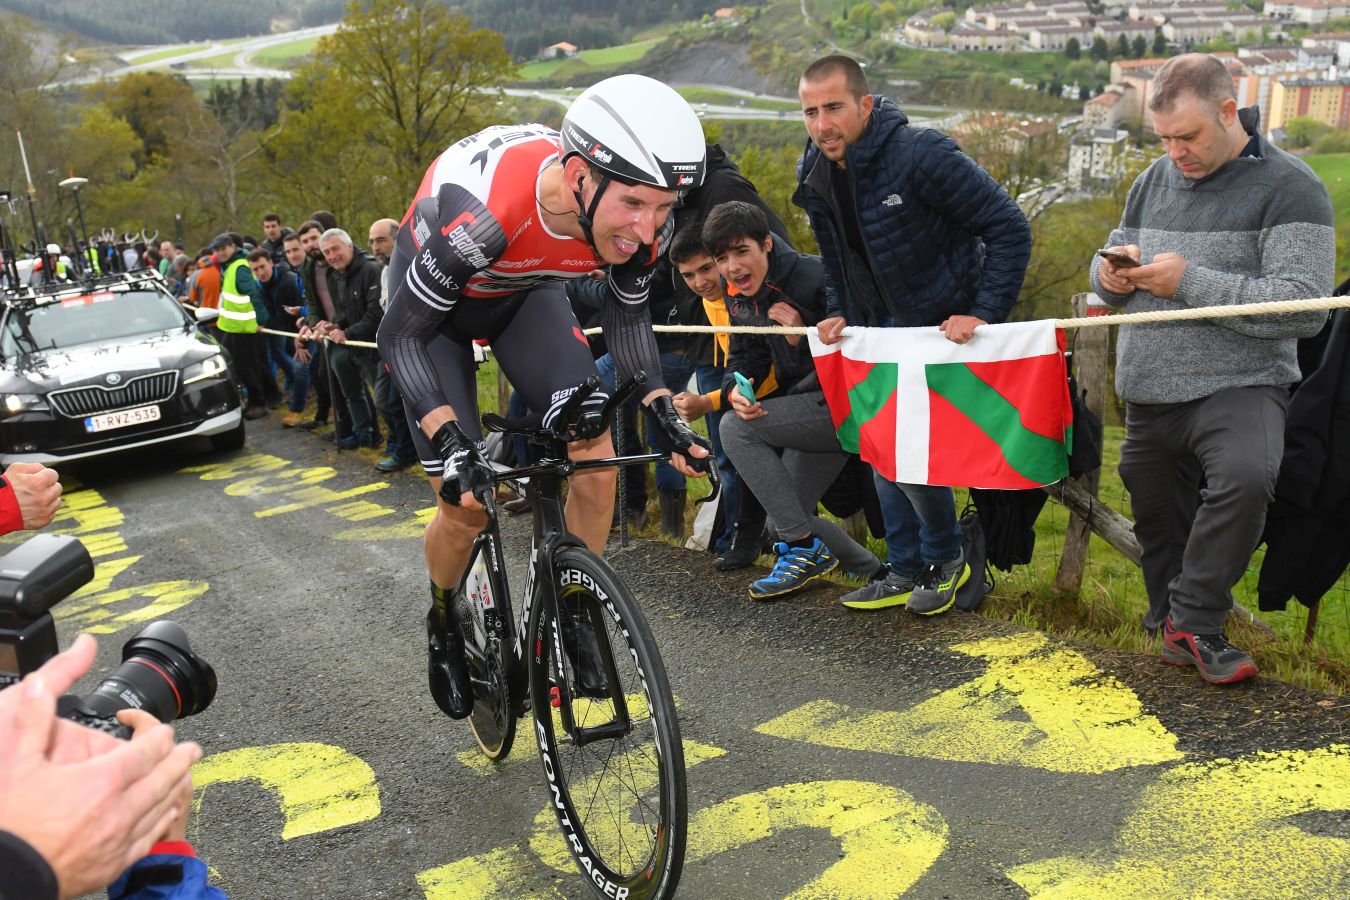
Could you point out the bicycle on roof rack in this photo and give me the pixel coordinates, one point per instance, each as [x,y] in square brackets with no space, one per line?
[587,668]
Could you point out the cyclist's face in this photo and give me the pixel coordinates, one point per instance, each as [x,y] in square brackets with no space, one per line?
[629,216]
[700,274]
[745,264]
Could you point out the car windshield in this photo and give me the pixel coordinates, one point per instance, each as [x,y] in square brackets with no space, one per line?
[100,316]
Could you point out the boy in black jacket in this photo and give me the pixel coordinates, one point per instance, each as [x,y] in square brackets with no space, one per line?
[770,285]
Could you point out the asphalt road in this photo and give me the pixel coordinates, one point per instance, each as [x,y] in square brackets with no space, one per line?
[832,753]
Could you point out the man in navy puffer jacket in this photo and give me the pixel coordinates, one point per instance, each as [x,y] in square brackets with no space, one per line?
[912,232]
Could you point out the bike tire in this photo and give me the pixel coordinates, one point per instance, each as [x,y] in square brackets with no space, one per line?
[621,803]
[491,660]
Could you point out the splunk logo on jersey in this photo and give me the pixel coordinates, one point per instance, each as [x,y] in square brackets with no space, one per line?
[435,272]
[601,154]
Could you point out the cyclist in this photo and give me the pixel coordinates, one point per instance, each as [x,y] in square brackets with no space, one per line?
[501,219]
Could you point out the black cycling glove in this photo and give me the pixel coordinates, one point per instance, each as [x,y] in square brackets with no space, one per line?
[465,468]
[679,436]
[632,280]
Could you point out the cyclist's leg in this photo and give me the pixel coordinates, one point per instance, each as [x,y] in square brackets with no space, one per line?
[543,353]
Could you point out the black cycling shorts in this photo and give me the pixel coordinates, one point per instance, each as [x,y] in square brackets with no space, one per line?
[536,341]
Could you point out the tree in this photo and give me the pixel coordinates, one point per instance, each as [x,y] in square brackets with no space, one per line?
[1073,49]
[1139,47]
[1159,43]
[1302,131]
[773,173]
[1099,49]
[1122,47]
[154,104]
[417,74]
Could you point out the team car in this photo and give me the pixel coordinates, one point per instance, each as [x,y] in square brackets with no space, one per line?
[109,364]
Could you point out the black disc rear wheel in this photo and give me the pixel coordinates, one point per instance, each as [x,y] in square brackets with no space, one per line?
[617,780]
[489,657]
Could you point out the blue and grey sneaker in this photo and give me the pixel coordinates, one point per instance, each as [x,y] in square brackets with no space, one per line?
[935,588]
[794,568]
[886,588]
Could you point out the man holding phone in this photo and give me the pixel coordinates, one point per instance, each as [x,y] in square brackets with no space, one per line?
[1223,219]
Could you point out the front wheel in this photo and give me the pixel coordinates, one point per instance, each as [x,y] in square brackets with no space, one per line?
[607,733]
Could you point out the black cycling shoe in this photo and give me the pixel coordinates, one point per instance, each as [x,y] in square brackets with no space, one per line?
[447,671]
[583,650]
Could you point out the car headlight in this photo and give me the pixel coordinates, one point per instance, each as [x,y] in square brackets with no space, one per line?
[17,403]
[211,367]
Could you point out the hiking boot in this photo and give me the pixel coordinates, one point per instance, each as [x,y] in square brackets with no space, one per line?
[291,419]
[312,424]
[887,588]
[1219,662]
[447,670]
[746,547]
[583,650]
[672,512]
[795,567]
[936,585]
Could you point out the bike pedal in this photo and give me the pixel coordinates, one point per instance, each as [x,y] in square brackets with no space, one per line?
[554,697]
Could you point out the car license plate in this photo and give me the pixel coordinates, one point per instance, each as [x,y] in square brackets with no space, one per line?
[122,419]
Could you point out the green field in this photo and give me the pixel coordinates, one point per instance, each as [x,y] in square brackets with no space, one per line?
[162,54]
[219,61]
[285,55]
[726,98]
[1334,170]
[587,60]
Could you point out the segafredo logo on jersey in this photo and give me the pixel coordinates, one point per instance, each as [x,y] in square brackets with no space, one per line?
[463,245]
[600,154]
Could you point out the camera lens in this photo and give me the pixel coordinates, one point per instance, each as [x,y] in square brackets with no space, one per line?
[159,674]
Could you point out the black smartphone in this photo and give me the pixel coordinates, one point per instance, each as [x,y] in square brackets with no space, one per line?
[1120,259]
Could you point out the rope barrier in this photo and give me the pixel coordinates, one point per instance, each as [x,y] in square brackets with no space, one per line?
[1273,307]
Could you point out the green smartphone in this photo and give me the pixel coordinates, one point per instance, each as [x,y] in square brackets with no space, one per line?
[746,388]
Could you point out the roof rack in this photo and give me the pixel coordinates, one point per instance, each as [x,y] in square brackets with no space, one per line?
[39,295]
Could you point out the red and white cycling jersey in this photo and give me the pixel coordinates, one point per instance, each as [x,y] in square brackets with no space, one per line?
[484,195]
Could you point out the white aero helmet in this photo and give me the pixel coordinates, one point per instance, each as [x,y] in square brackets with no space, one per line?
[638,131]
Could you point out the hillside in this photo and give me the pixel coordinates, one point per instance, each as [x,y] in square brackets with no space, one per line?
[171,21]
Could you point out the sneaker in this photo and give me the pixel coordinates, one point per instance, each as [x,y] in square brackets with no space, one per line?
[794,568]
[745,549]
[291,419]
[312,424]
[1219,662]
[887,588]
[936,585]
[355,440]
[389,465]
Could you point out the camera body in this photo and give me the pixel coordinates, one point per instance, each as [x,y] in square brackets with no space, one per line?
[159,672]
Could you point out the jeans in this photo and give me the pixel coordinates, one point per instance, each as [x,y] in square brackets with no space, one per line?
[675,371]
[304,376]
[390,404]
[921,524]
[279,357]
[355,368]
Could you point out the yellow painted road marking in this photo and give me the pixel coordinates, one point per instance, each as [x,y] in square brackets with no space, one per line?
[95,613]
[408,528]
[887,839]
[318,787]
[1219,829]
[1080,719]
[507,872]
[633,771]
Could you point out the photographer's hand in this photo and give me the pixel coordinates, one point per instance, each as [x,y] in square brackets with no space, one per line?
[38,491]
[91,807]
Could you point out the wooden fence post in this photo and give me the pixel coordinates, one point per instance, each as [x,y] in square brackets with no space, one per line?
[1090,368]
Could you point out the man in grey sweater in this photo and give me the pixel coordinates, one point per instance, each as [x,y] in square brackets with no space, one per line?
[1224,218]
